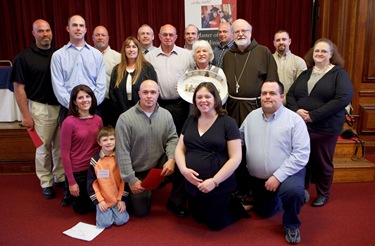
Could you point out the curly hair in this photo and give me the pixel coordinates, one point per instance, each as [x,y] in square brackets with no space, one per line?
[336,58]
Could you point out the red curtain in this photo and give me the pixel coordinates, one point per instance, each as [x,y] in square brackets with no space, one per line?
[123,17]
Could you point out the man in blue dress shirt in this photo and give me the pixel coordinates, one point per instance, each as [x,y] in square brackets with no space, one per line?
[77,63]
[277,150]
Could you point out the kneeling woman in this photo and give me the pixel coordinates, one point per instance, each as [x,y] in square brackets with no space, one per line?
[78,145]
[207,154]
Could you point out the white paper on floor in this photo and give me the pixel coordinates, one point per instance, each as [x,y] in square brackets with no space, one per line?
[83,231]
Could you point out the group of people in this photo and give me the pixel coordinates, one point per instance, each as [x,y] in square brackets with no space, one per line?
[275,134]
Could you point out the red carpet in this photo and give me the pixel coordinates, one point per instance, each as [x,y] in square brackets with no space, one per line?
[370,158]
[28,219]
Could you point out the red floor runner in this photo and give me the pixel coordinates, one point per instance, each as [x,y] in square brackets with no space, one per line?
[28,219]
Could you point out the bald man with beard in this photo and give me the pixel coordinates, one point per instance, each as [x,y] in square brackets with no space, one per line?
[247,65]
[31,78]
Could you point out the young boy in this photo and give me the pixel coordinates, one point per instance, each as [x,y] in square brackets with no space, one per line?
[104,184]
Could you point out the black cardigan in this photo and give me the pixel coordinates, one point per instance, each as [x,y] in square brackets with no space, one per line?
[119,96]
[326,102]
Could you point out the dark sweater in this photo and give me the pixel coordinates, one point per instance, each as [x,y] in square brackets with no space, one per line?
[326,102]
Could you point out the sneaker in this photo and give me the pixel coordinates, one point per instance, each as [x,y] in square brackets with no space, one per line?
[307,197]
[292,236]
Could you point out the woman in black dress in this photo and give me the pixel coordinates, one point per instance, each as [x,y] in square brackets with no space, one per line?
[207,154]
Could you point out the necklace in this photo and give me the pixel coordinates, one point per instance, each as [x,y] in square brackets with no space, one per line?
[317,71]
[243,68]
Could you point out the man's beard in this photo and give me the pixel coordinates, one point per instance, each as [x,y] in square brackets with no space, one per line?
[281,49]
[241,42]
[100,45]
[45,42]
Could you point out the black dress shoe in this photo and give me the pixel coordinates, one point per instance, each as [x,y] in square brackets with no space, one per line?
[177,210]
[66,201]
[320,201]
[48,192]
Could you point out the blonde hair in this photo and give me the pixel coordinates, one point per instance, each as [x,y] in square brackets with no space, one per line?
[140,62]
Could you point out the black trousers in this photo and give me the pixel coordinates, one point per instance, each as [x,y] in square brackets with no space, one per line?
[81,204]
[319,169]
[179,110]
[140,204]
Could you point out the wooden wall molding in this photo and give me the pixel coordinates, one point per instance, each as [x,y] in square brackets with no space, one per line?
[367,121]
[369,68]
[367,93]
[17,152]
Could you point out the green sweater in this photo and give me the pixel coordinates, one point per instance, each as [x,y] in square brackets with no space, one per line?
[141,141]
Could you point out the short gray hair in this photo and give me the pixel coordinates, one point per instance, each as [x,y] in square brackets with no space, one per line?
[203,44]
[240,20]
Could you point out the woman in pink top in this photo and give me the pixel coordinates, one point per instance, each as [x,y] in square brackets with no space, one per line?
[78,145]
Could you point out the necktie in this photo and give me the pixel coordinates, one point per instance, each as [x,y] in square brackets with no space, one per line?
[145,52]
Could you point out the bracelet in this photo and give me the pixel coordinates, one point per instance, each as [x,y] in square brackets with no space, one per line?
[216,184]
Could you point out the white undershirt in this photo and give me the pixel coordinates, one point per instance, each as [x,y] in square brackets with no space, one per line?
[129,84]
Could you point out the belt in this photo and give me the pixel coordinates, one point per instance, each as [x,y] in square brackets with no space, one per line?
[245,98]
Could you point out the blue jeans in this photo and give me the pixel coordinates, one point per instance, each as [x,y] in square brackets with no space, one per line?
[110,217]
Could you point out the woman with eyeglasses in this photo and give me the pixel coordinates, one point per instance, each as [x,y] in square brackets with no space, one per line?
[319,95]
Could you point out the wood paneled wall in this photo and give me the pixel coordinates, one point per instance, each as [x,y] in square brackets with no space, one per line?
[350,24]
[17,152]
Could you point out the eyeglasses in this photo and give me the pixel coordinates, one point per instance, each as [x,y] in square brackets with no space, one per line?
[321,51]
[241,31]
[168,34]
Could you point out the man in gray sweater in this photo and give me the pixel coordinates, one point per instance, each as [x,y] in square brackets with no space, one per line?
[145,138]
